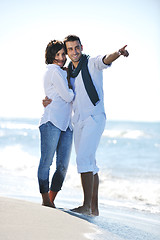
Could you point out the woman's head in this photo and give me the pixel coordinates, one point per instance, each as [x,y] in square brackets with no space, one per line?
[55,53]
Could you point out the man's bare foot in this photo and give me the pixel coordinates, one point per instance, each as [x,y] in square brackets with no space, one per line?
[82,209]
[95,212]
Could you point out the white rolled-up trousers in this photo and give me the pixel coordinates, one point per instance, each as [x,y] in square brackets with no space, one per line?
[87,135]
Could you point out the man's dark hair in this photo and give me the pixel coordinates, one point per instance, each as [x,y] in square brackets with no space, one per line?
[71,38]
[52,48]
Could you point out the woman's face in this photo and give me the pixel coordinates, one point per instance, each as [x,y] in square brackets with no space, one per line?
[60,58]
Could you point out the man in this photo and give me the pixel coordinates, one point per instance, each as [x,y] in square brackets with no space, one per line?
[85,76]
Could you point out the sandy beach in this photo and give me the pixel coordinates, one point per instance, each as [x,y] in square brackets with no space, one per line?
[25,220]
[22,220]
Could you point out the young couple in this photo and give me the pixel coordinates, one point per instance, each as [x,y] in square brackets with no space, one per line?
[79,88]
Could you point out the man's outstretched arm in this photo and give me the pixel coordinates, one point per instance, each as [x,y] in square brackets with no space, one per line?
[108,59]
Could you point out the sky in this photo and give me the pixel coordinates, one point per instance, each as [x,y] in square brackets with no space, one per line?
[131,85]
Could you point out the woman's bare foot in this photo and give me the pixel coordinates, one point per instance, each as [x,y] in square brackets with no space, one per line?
[48,205]
[52,196]
[46,201]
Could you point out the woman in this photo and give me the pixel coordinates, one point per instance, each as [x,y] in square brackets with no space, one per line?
[55,127]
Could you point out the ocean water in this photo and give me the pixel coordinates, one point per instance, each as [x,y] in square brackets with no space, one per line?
[129,160]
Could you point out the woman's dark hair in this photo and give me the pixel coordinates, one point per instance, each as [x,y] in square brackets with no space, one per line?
[52,48]
[71,38]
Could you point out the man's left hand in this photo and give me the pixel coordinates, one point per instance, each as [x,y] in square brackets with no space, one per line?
[124,52]
[46,101]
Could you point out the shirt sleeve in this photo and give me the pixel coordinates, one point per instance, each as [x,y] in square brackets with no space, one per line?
[61,85]
[99,64]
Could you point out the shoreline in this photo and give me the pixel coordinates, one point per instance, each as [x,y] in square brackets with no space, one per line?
[28,220]
[25,220]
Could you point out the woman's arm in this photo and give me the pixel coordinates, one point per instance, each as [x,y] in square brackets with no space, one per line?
[61,85]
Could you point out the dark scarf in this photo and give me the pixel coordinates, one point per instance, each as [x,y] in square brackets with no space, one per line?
[87,80]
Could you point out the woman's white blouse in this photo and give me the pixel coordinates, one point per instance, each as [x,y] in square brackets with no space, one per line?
[56,88]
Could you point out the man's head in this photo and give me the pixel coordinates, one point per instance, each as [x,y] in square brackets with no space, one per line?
[73,48]
[55,53]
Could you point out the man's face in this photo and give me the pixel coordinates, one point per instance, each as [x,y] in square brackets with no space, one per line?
[74,51]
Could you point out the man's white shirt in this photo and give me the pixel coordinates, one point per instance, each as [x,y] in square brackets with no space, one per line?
[82,105]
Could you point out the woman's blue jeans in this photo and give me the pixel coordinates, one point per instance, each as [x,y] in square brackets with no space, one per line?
[53,140]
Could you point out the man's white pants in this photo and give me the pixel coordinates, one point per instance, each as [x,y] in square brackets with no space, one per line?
[87,136]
